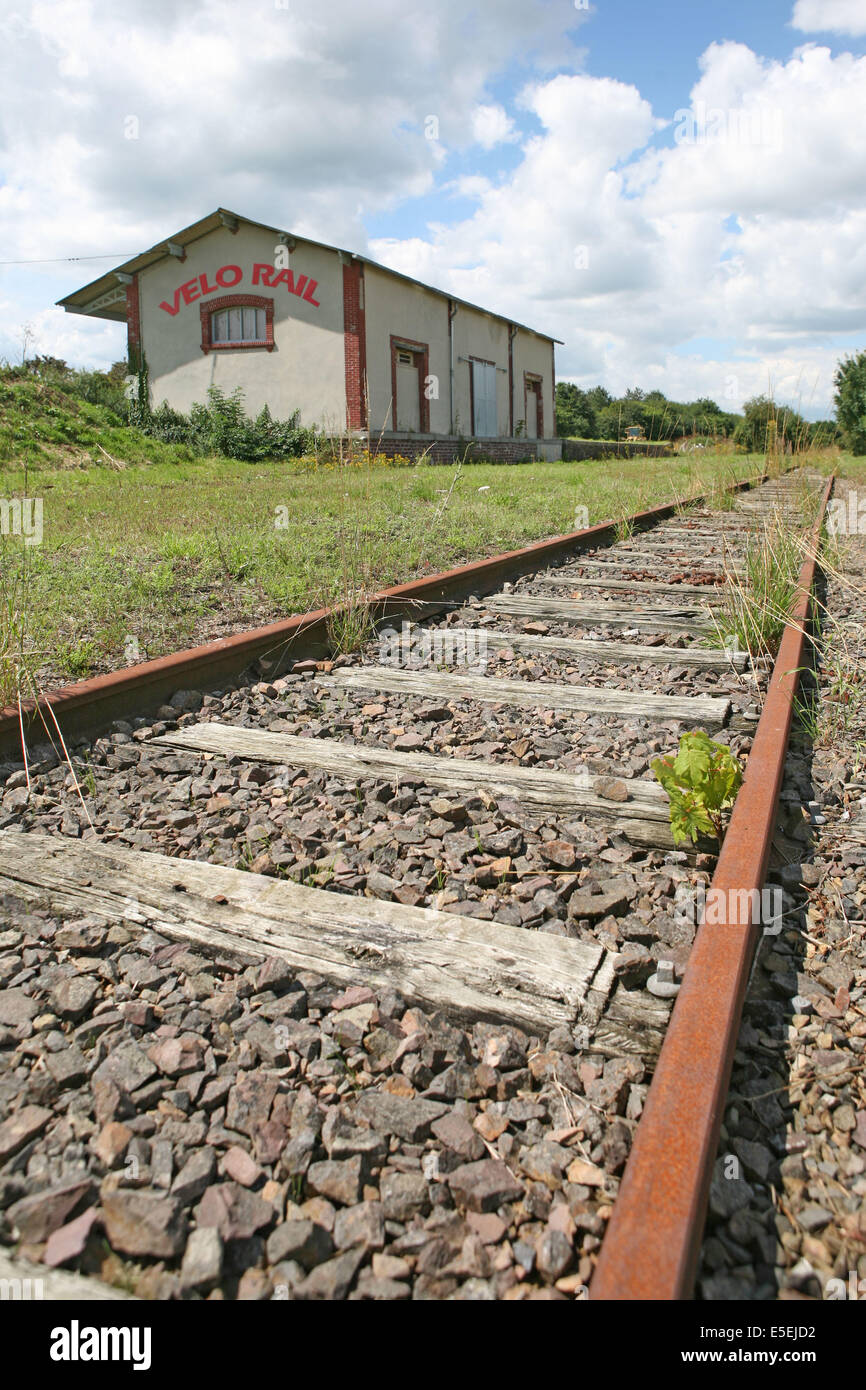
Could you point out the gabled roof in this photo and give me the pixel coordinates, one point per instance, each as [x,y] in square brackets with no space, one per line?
[106,297]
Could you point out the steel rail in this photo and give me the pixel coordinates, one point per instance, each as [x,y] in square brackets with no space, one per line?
[652,1245]
[88,707]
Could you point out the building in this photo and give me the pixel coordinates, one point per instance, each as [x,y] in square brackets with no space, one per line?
[354,346]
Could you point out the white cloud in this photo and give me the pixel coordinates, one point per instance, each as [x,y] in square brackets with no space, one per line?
[491,125]
[599,234]
[623,249]
[830,17]
[312,115]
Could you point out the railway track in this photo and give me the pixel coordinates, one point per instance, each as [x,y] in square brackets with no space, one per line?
[351,981]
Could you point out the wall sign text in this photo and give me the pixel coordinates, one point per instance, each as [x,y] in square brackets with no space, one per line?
[228,276]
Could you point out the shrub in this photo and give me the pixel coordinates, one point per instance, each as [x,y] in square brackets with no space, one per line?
[222,427]
[702,782]
[850,400]
[107,389]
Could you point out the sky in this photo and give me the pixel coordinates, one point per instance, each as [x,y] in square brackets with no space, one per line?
[676,190]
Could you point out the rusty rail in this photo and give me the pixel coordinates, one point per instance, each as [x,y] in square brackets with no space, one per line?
[653,1240]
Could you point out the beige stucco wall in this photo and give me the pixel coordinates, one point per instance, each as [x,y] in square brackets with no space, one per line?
[399,308]
[306,369]
[407,311]
[534,355]
[477,334]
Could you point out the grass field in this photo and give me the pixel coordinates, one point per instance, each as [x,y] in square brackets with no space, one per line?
[168,555]
[141,559]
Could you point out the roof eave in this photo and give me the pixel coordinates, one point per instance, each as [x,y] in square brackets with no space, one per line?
[77,301]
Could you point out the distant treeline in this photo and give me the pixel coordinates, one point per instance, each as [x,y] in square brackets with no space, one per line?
[763,423]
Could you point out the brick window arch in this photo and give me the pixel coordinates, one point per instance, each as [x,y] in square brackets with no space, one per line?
[215,322]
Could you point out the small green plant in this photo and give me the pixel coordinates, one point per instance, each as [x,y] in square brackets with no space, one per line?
[351,624]
[758,595]
[80,658]
[89,779]
[701,782]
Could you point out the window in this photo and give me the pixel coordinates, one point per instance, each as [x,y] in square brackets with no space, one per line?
[237,321]
[245,324]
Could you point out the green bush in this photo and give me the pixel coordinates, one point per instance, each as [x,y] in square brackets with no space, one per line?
[223,427]
[106,389]
[767,426]
[595,414]
[850,400]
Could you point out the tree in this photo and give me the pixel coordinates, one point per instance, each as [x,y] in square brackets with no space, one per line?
[575,416]
[825,432]
[615,418]
[850,401]
[598,396]
[766,425]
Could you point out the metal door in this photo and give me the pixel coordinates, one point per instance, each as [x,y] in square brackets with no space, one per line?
[484,399]
[408,392]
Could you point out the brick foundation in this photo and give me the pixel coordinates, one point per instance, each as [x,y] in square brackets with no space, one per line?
[448,448]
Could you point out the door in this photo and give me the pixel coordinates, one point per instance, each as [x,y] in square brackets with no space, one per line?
[532,410]
[408,392]
[484,400]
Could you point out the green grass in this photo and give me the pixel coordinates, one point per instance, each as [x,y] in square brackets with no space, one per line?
[142,541]
[759,594]
[176,553]
[50,426]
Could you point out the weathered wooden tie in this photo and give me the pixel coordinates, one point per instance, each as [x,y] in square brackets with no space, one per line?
[642,816]
[590,648]
[708,592]
[475,969]
[710,711]
[591,613]
[22,1280]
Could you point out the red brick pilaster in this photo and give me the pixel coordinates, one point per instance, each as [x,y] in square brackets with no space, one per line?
[355,346]
[133,326]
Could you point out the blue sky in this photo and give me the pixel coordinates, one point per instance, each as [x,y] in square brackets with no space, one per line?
[712,262]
